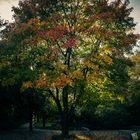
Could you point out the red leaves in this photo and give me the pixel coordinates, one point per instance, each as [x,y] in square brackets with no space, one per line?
[54,33]
[57,32]
[42,34]
[69,43]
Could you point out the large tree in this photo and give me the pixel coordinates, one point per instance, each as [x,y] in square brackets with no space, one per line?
[74,47]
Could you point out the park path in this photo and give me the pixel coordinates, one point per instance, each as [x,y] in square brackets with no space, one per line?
[42,134]
[23,133]
[36,134]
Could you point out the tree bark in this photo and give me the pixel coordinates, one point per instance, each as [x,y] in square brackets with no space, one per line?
[62,112]
[64,125]
[64,116]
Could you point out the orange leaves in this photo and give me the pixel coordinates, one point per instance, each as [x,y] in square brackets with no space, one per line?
[41,82]
[44,81]
[27,85]
[62,81]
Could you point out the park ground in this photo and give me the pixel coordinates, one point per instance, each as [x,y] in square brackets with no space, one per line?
[43,134]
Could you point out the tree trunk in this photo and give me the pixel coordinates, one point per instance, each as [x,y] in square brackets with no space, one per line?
[64,116]
[62,112]
[64,125]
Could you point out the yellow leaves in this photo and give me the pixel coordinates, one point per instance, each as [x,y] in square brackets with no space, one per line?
[88,64]
[93,78]
[60,66]
[105,55]
[104,96]
[107,59]
[76,74]
[97,79]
